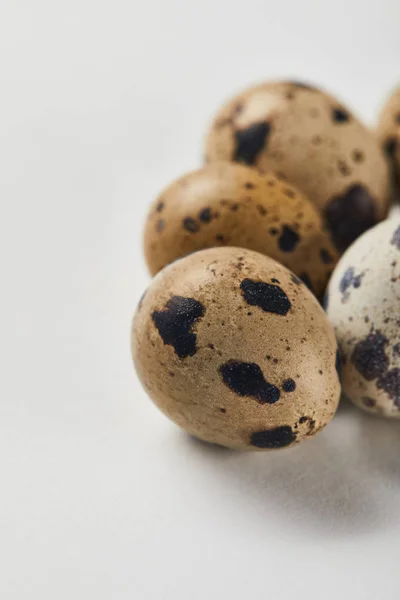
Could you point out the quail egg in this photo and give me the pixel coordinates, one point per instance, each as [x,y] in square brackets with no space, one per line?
[362,304]
[231,204]
[310,139]
[235,349]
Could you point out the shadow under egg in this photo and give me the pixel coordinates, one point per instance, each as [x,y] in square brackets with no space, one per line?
[337,483]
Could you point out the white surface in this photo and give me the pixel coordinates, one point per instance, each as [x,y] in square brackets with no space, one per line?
[102,104]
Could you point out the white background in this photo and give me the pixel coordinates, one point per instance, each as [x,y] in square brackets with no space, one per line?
[101,105]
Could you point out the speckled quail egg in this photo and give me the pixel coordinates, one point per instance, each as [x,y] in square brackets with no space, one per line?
[389,135]
[308,138]
[236,350]
[362,304]
[230,204]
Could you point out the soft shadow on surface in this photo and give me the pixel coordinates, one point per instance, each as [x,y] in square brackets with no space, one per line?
[345,481]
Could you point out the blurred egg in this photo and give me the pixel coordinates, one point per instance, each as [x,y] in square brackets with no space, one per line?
[311,140]
[389,135]
[227,204]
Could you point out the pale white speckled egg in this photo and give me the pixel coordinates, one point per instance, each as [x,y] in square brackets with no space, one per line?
[362,303]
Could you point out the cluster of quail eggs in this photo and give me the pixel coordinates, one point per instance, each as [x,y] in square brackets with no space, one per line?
[276,274]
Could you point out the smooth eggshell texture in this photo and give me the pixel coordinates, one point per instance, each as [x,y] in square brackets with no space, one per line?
[389,134]
[308,138]
[362,304]
[232,347]
[227,204]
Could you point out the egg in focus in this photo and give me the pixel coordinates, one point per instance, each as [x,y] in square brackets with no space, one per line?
[362,303]
[235,349]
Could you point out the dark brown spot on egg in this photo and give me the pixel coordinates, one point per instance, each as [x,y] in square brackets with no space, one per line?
[237,109]
[343,167]
[160,225]
[175,322]
[289,385]
[250,142]
[339,115]
[390,146]
[311,425]
[273,438]
[390,383]
[295,279]
[205,215]
[261,209]
[160,206]
[247,379]
[358,155]
[368,401]
[270,298]
[288,239]
[190,225]
[369,357]
[350,214]
[348,280]
[326,256]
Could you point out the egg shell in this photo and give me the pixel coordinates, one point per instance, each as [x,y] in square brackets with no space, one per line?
[230,204]
[308,138]
[362,304]
[234,349]
[389,135]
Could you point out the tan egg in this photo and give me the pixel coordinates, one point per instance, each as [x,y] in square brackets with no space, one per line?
[230,204]
[308,138]
[389,135]
[234,349]
[362,304]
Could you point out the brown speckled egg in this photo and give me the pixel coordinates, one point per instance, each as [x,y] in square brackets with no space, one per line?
[389,135]
[233,348]
[308,138]
[363,306]
[230,204]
